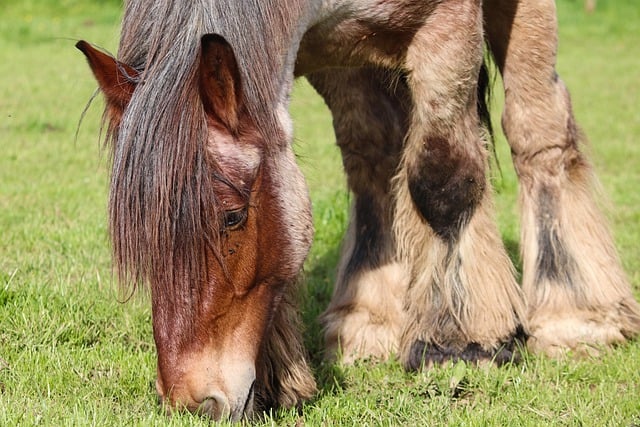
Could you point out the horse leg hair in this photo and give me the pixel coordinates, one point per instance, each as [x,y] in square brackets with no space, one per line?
[577,294]
[463,301]
[285,377]
[370,111]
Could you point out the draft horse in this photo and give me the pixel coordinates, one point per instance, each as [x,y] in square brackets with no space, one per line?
[209,209]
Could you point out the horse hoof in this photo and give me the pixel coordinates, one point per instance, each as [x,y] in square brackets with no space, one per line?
[426,355]
[584,336]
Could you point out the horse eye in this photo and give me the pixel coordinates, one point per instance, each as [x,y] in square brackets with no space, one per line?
[235,218]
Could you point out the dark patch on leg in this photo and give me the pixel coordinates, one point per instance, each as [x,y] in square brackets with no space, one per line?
[371,235]
[422,354]
[445,187]
[553,263]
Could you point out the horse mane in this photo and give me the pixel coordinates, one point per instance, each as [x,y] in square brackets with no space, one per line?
[163,213]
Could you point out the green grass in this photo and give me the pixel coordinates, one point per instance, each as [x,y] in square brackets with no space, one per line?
[72,354]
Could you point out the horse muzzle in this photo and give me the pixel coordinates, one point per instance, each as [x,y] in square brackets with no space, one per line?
[224,391]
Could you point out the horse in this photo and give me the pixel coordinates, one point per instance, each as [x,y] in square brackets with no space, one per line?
[209,209]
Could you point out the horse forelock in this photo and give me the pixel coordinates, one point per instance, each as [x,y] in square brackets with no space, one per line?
[164,214]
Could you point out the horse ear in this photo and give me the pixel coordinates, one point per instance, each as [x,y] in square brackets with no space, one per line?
[116,80]
[220,85]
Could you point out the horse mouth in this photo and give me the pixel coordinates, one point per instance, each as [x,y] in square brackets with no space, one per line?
[247,409]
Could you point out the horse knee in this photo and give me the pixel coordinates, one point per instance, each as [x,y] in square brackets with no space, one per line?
[542,131]
[445,186]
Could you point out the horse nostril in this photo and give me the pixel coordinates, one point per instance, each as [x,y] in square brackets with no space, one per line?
[216,406]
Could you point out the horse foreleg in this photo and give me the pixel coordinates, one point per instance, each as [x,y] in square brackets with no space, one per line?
[463,301]
[370,110]
[577,293]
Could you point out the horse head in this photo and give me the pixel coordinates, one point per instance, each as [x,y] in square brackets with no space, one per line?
[217,224]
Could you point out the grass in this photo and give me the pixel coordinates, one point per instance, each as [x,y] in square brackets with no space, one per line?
[72,354]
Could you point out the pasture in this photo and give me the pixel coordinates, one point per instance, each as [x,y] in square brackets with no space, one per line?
[73,353]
